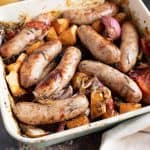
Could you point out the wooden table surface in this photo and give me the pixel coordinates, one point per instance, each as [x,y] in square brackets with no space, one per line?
[90,142]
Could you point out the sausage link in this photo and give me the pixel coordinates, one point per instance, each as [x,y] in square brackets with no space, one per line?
[33,67]
[114,79]
[129,47]
[59,110]
[24,37]
[61,76]
[100,48]
[89,15]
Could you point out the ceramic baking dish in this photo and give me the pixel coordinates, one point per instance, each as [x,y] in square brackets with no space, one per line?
[33,8]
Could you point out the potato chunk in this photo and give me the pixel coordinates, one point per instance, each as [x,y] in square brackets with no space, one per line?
[60,25]
[33,131]
[13,82]
[15,66]
[98,106]
[51,35]
[34,46]
[79,79]
[127,107]
[109,114]
[78,121]
[13,79]
[68,37]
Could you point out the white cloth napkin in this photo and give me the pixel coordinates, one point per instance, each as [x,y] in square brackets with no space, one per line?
[133,134]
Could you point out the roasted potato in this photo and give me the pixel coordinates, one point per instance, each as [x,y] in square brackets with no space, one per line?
[98,105]
[99,101]
[15,66]
[79,79]
[51,35]
[32,131]
[68,37]
[34,46]
[13,83]
[127,107]
[110,114]
[78,121]
[53,14]
[13,78]
[60,25]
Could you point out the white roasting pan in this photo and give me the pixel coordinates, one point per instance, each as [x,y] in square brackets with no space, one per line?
[11,12]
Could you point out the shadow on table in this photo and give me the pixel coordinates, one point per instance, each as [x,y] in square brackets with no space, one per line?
[89,142]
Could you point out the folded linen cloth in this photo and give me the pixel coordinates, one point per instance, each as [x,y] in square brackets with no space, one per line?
[133,134]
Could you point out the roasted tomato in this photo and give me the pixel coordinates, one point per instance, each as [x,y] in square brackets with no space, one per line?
[145,42]
[10,34]
[142,77]
[38,25]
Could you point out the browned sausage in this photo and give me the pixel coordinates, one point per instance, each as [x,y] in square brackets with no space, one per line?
[129,47]
[61,76]
[89,15]
[33,30]
[63,94]
[32,68]
[59,110]
[101,48]
[114,79]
